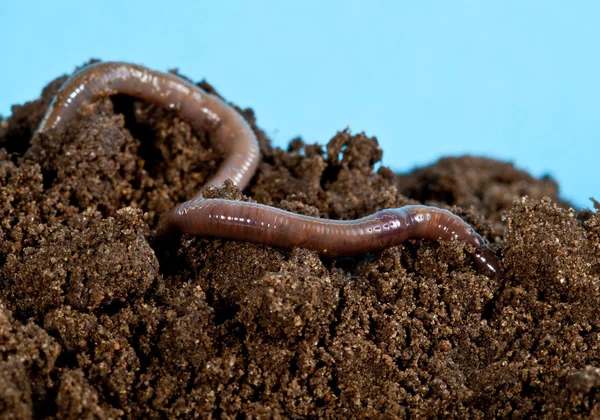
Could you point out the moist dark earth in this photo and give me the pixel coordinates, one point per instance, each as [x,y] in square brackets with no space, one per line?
[99,319]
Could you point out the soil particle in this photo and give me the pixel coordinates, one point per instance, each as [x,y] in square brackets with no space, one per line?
[99,319]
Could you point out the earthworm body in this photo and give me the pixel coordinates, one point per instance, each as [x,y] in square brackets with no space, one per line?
[249,221]
[203,111]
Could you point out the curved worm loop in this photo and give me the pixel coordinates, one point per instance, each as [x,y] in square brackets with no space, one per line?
[248,221]
[227,128]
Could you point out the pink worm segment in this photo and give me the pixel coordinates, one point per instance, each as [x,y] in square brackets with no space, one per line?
[275,227]
[249,221]
[228,130]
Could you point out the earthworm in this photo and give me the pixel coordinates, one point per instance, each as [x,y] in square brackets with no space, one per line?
[253,222]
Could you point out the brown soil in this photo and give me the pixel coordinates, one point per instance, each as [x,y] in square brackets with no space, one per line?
[98,320]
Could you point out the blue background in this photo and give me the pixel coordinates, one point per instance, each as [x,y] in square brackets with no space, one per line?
[513,80]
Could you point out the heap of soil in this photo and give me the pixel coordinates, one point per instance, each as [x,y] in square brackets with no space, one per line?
[100,320]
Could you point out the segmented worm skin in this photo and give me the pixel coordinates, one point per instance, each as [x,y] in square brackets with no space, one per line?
[249,221]
[228,130]
[271,226]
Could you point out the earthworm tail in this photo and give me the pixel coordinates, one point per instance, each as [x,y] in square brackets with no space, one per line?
[271,226]
[206,112]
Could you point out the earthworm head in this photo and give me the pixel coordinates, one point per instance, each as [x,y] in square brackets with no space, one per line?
[487,263]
